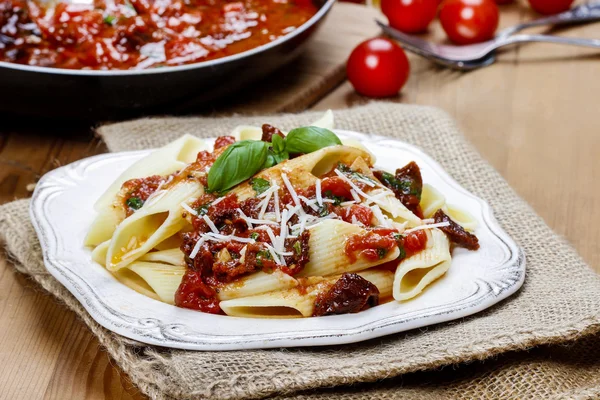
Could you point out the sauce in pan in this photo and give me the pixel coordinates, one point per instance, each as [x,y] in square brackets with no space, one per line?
[140,34]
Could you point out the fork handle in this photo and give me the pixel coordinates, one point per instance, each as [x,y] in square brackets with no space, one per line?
[594,43]
[587,12]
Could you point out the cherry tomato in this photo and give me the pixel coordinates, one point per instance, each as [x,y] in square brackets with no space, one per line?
[410,16]
[337,186]
[378,68]
[503,1]
[469,21]
[550,6]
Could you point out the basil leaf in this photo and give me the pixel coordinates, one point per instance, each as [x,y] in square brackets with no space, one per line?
[270,161]
[278,144]
[309,139]
[260,185]
[240,161]
[279,157]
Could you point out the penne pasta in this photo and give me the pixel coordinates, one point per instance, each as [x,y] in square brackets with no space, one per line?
[257,283]
[164,161]
[431,200]
[328,250]
[299,302]
[170,256]
[164,279]
[460,216]
[303,237]
[415,273]
[157,220]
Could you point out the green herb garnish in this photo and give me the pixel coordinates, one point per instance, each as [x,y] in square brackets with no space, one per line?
[323,211]
[254,235]
[309,139]
[260,185]
[244,159]
[110,20]
[400,242]
[262,255]
[240,161]
[397,185]
[297,247]
[381,253]
[135,203]
[203,209]
[337,200]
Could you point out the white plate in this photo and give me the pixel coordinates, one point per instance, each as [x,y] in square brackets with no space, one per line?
[62,211]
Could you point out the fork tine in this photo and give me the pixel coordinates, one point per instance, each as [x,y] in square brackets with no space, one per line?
[411,43]
[424,49]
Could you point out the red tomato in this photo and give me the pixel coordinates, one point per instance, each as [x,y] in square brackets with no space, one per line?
[414,242]
[337,186]
[550,6]
[469,21]
[503,1]
[378,68]
[363,214]
[410,16]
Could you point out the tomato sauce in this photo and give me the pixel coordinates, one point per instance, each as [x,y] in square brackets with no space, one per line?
[140,34]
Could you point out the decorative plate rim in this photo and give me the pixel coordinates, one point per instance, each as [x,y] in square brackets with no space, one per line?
[153,331]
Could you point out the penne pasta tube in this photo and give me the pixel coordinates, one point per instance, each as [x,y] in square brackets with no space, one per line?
[392,206]
[415,273]
[299,301]
[99,253]
[431,200]
[303,171]
[257,283]
[135,282]
[164,279]
[461,217]
[327,246]
[245,132]
[159,219]
[168,159]
[170,256]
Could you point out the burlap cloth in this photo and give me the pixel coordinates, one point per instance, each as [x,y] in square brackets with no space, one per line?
[558,308]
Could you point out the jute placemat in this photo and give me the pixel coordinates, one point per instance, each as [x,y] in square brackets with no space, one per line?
[559,302]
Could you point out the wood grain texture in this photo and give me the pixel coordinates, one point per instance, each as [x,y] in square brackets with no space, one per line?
[533,115]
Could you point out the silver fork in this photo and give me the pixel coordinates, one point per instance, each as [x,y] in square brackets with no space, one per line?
[482,54]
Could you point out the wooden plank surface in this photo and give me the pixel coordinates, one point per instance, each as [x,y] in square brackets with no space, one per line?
[533,115]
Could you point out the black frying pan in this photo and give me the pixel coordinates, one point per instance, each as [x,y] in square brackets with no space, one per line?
[87,94]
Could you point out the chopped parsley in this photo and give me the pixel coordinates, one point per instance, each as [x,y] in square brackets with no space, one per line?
[353,174]
[323,211]
[400,243]
[381,253]
[135,203]
[110,20]
[262,255]
[254,235]
[260,185]
[203,209]
[297,247]
[397,185]
[344,168]
[337,199]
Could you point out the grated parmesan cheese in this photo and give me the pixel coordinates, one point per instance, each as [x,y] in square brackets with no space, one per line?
[189,209]
[210,224]
[318,192]
[430,226]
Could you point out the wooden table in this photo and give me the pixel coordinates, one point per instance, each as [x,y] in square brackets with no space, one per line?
[534,115]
